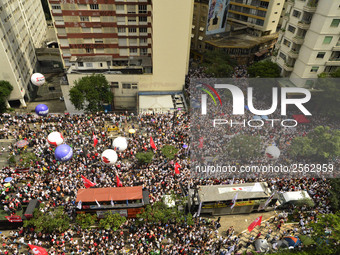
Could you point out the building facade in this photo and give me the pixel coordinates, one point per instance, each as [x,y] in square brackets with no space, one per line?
[137,44]
[250,31]
[309,42]
[22,29]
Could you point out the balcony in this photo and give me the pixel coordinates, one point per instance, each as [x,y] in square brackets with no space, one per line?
[303,24]
[286,16]
[298,39]
[336,47]
[291,1]
[288,67]
[293,54]
[333,62]
[311,6]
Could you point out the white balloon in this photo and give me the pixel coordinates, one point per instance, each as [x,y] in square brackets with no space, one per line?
[109,157]
[272,152]
[55,138]
[38,79]
[120,144]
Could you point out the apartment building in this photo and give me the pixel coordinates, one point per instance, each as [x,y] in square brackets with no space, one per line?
[139,45]
[22,29]
[250,31]
[309,42]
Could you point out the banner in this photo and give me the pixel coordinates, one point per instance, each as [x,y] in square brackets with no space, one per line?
[217,16]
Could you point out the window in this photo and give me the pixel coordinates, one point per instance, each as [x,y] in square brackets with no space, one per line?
[120,7]
[84,18]
[133,41]
[327,39]
[132,19]
[314,69]
[98,41]
[142,8]
[80,64]
[320,54]
[121,30]
[134,86]
[89,65]
[296,14]
[132,30]
[335,23]
[286,42]
[131,9]
[94,6]
[273,21]
[101,64]
[143,19]
[291,29]
[143,30]
[115,85]
[283,56]
[56,7]
[133,50]
[143,40]
[143,52]
[88,50]
[126,86]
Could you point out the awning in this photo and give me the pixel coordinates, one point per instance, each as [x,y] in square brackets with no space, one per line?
[260,53]
[155,103]
[108,194]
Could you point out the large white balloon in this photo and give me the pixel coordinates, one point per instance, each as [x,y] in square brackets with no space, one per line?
[120,144]
[55,138]
[109,157]
[38,79]
[272,152]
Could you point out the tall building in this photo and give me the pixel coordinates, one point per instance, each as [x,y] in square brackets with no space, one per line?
[245,29]
[139,45]
[309,40]
[22,29]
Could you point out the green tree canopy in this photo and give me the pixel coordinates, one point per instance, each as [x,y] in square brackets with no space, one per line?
[112,221]
[90,93]
[264,69]
[336,74]
[218,64]
[53,220]
[244,147]
[169,151]
[86,220]
[144,157]
[322,143]
[5,90]
[27,158]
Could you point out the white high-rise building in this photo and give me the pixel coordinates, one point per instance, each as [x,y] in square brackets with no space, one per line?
[22,29]
[309,42]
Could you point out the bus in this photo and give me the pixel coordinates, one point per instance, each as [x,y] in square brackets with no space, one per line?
[126,201]
[218,199]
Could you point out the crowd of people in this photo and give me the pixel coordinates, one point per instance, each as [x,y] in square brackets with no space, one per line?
[56,183]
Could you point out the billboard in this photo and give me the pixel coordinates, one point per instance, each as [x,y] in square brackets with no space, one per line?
[217,16]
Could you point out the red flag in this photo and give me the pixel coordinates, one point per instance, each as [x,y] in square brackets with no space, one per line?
[177,166]
[152,143]
[201,143]
[256,222]
[37,250]
[95,140]
[87,182]
[119,183]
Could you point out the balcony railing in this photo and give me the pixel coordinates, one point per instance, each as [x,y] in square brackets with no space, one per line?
[303,24]
[334,59]
[288,67]
[293,53]
[298,39]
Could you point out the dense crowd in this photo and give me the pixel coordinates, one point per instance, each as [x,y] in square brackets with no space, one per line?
[56,183]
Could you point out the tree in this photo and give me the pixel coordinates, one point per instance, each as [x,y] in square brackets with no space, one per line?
[327,99]
[336,74]
[5,90]
[244,147]
[54,220]
[90,93]
[322,143]
[335,191]
[112,221]
[327,229]
[169,151]
[218,64]
[144,157]
[86,220]
[264,69]
[27,159]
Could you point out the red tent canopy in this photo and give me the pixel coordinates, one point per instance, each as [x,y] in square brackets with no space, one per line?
[300,118]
